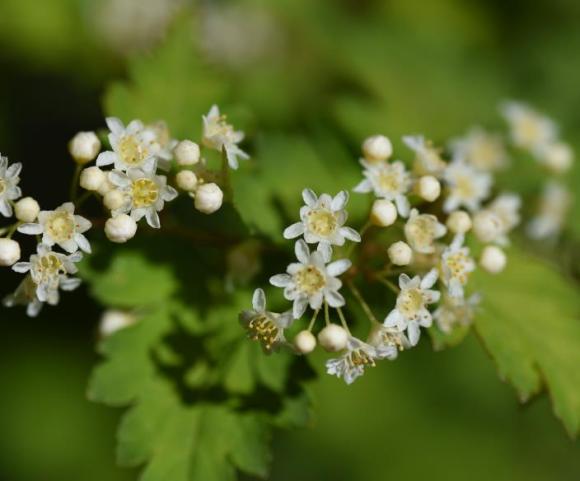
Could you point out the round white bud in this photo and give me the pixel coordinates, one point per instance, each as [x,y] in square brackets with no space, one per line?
[187,153]
[304,342]
[26,209]
[120,228]
[400,253]
[377,148]
[429,188]
[106,186]
[114,199]
[208,198]
[487,226]
[186,180]
[9,252]
[493,259]
[114,320]
[84,147]
[383,213]
[92,178]
[459,222]
[333,338]
[558,157]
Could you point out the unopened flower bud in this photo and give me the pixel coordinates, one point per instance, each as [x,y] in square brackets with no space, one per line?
[9,252]
[84,147]
[486,226]
[333,338]
[114,199]
[208,198]
[187,153]
[558,157]
[106,185]
[377,148]
[92,178]
[383,213]
[186,180]
[400,253]
[113,321]
[304,342]
[493,259]
[120,228]
[26,209]
[459,222]
[429,188]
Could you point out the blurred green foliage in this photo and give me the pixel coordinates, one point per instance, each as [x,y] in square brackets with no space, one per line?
[344,69]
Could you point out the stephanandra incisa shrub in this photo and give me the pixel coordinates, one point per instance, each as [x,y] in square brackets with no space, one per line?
[443,213]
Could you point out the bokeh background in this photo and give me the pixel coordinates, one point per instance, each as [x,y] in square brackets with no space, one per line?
[353,67]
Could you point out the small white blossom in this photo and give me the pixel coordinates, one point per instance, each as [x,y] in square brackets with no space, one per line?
[428,188]
[311,281]
[146,194]
[377,148]
[9,251]
[400,254]
[92,178]
[389,181]
[84,147]
[493,259]
[25,295]
[134,147]
[487,226]
[459,222]
[383,213]
[456,265]
[26,209]
[187,153]
[304,342]
[456,312]
[322,220]
[411,310]
[186,180]
[114,320]
[333,338]
[120,228]
[507,207]
[114,199]
[388,341]
[50,271]
[494,223]
[62,227]
[556,156]
[161,143]
[480,149]
[263,326]
[427,158]
[9,190]
[352,364]
[421,231]
[552,210]
[208,198]
[528,129]
[219,135]
[468,187]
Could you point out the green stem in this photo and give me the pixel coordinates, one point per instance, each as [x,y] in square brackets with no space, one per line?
[74,183]
[313,320]
[389,284]
[326,315]
[342,319]
[362,302]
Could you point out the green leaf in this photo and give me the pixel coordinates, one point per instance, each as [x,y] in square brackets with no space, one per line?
[530,324]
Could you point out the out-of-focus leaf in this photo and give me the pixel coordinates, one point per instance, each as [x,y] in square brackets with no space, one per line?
[530,323]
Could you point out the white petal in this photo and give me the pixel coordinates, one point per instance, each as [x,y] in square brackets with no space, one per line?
[316,300]
[106,158]
[293,231]
[299,307]
[152,218]
[280,280]
[325,250]
[393,319]
[259,300]
[21,267]
[119,179]
[334,299]
[115,125]
[5,208]
[414,333]
[430,279]
[404,281]
[83,243]
[350,234]
[363,187]
[302,251]
[339,267]
[30,229]
[339,200]
[403,206]
[309,197]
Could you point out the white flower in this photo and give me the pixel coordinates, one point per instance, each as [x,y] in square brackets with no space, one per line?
[264,326]
[9,189]
[507,207]
[456,265]
[219,135]
[25,295]
[552,211]
[411,309]
[494,223]
[146,194]
[427,158]
[134,147]
[352,364]
[468,187]
[162,144]
[454,311]
[322,220]
[528,129]
[388,341]
[421,231]
[62,227]
[557,156]
[389,181]
[480,149]
[49,271]
[311,281]
[114,320]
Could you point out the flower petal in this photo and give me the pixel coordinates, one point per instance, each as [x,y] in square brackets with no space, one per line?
[280,280]
[302,251]
[309,197]
[339,267]
[259,300]
[293,231]
[30,229]
[339,200]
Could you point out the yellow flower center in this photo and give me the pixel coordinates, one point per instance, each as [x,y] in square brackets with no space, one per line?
[410,302]
[132,152]
[464,187]
[485,154]
[321,222]
[47,267]
[457,264]
[389,181]
[2,186]
[60,226]
[421,231]
[529,130]
[358,357]
[144,192]
[263,330]
[309,280]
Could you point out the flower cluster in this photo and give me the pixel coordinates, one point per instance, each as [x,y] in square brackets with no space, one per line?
[436,214]
[132,189]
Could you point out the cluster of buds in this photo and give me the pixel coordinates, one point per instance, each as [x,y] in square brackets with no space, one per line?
[131,190]
[539,136]
[432,222]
